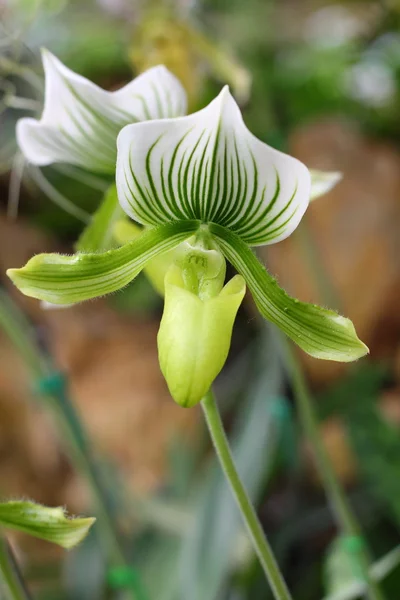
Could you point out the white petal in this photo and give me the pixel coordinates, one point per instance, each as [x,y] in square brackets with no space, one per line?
[80,121]
[208,166]
[323,181]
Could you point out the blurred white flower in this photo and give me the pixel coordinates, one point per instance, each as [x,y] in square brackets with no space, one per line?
[332,26]
[371,83]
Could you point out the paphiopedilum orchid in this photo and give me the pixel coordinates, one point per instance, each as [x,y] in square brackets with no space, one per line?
[80,121]
[205,177]
[80,124]
[204,190]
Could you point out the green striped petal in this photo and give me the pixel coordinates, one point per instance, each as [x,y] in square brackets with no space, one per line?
[208,166]
[61,279]
[98,235]
[320,332]
[80,121]
[323,181]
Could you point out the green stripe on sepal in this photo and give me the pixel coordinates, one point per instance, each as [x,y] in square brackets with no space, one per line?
[61,279]
[50,524]
[320,332]
[98,234]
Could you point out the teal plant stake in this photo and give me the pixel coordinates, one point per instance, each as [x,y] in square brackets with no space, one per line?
[206,187]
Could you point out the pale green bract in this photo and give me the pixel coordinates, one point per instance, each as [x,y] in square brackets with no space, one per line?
[50,524]
[203,174]
[81,121]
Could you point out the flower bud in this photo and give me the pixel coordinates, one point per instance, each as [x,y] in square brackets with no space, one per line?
[196,327]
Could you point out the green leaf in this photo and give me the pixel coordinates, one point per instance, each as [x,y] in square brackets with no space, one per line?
[320,332]
[98,235]
[61,279]
[50,524]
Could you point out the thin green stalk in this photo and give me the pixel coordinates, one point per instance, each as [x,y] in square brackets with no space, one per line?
[342,510]
[249,515]
[17,328]
[84,463]
[313,258]
[10,573]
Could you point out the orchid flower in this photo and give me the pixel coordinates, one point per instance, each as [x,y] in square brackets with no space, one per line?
[81,121]
[202,173]
[80,124]
[206,188]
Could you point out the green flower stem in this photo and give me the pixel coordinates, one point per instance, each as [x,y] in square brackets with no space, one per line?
[249,515]
[17,328]
[10,574]
[345,517]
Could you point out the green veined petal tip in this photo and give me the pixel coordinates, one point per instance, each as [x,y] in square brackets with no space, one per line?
[14,275]
[320,332]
